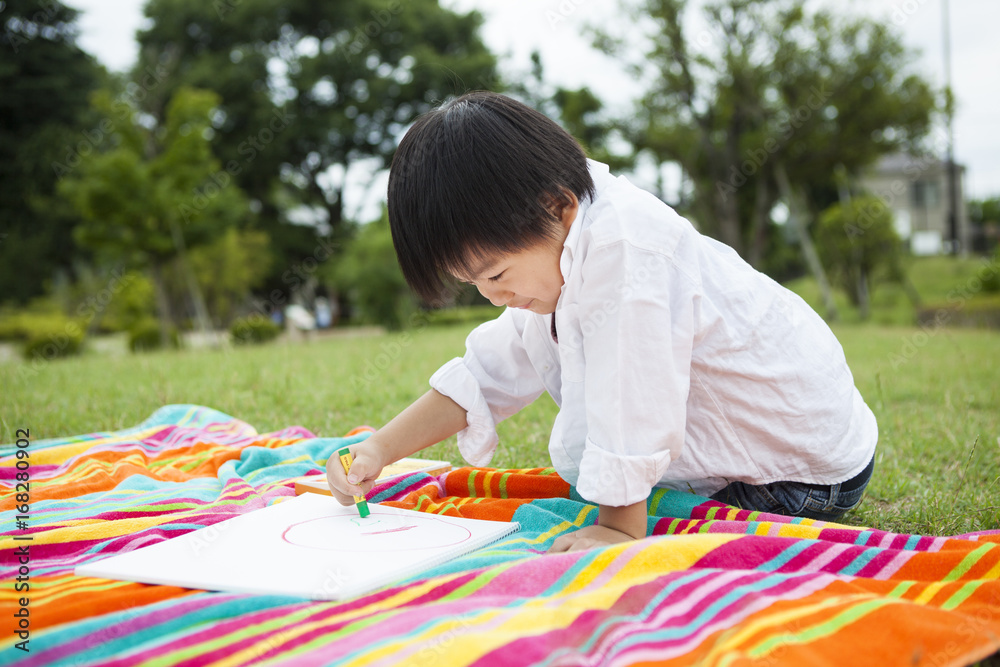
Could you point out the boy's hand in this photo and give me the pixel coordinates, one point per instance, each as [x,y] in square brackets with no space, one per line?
[430,419]
[614,525]
[589,537]
[365,469]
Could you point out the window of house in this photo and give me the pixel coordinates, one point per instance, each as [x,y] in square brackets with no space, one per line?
[925,194]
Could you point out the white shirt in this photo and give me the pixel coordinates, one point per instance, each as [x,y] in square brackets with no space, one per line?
[677,364]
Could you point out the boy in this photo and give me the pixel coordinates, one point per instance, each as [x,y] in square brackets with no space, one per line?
[674,362]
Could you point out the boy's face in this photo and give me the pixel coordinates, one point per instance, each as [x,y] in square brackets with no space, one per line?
[529,278]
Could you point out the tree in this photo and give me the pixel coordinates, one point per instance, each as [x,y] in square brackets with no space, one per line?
[984,214]
[859,247]
[151,192]
[369,273]
[769,86]
[985,211]
[228,268]
[311,91]
[580,112]
[45,79]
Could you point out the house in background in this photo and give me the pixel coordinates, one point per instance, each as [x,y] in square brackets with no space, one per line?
[916,189]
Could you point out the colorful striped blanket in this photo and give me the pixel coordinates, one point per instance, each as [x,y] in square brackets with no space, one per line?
[713,585]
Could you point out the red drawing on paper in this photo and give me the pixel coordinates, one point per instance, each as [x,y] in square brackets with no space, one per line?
[379,532]
[391,530]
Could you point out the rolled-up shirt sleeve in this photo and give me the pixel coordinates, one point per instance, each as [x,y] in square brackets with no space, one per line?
[637,340]
[491,382]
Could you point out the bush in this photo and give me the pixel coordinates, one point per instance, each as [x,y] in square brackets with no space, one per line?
[144,336]
[982,313]
[253,330]
[133,301]
[54,344]
[38,320]
[991,274]
[462,315]
[45,331]
[858,245]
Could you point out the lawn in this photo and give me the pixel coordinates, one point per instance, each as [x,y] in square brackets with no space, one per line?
[936,281]
[933,391]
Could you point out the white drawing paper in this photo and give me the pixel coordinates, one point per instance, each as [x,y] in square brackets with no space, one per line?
[309,546]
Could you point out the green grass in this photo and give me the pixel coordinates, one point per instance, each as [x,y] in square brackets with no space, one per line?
[328,385]
[935,396]
[934,393]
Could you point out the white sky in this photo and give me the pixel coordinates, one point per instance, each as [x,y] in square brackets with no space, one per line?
[516,27]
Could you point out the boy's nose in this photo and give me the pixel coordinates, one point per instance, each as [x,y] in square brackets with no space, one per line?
[497,297]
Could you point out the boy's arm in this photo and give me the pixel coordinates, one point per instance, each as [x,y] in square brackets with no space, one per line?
[615,524]
[428,420]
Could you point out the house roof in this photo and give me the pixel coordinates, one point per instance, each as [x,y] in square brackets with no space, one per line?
[895,163]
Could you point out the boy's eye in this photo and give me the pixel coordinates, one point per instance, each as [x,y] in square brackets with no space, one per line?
[497,277]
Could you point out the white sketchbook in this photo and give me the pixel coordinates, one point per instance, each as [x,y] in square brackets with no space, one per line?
[309,546]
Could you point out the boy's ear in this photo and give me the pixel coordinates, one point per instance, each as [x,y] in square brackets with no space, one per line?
[562,206]
[565,208]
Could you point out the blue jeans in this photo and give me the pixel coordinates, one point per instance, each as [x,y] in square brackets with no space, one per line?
[825,502]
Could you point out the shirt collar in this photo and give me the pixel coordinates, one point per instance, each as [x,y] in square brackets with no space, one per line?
[601,174]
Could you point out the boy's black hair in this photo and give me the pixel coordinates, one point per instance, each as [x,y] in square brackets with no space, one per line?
[474,179]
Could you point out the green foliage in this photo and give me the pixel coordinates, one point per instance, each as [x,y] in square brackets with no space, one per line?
[945,283]
[467,315]
[131,304]
[768,84]
[781,259]
[358,72]
[983,313]
[10,326]
[134,205]
[253,330]
[145,336]
[103,301]
[41,319]
[582,114]
[859,246]
[44,119]
[228,268]
[370,275]
[985,211]
[96,303]
[18,325]
[55,343]
[985,214]
[991,283]
[149,192]
[964,292]
[46,331]
[990,272]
